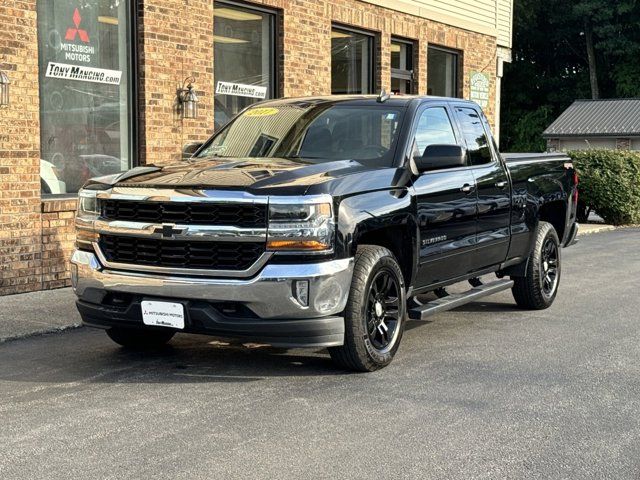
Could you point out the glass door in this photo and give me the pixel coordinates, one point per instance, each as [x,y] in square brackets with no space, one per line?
[401,67]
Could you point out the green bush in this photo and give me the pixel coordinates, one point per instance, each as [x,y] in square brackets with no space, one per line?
[610,183]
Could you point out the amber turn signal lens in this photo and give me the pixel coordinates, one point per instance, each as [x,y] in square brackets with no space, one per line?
[308,245]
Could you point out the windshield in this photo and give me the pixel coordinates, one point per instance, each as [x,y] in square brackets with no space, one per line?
[313,132]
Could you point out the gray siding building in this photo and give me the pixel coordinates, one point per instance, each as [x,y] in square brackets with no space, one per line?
[596,124]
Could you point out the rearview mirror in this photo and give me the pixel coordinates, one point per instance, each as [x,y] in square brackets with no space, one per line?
[437,157]
[189,149]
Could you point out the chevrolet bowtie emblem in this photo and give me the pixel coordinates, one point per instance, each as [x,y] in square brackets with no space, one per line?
[168,231]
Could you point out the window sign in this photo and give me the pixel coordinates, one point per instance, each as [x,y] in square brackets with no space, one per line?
[85,94]
[479,92]
[240,90]
[243,58]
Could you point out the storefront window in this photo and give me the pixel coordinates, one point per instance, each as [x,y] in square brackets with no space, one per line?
[401,67]
[85,104]
[442,72]
[244,60]
[351,62]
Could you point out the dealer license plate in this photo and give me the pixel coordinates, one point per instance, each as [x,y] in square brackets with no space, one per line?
[163,314]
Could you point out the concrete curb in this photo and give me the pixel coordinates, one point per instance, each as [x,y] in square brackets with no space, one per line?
[589,228]
[38,333]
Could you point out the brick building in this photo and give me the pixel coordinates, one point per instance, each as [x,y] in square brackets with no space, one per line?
[93,87]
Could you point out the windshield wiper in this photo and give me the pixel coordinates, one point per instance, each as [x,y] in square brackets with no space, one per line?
[304,157]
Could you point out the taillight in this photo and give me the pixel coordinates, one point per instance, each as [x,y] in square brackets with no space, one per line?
[576,181]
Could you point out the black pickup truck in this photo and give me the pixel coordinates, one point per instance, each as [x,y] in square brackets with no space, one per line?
[323,222]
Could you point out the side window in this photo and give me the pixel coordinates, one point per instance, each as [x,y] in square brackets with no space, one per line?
[478,149]
[434,128]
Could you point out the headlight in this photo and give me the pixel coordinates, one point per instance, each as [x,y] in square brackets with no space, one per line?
[87,214]
[87,204]
[305,227]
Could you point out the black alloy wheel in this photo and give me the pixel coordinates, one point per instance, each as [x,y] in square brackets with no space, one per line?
[549,267]
[383,310]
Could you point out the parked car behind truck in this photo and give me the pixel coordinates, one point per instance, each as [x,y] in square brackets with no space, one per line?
[313,222]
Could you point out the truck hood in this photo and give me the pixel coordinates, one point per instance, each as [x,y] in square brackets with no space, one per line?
[241,173]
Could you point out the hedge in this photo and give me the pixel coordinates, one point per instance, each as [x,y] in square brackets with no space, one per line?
[610,184]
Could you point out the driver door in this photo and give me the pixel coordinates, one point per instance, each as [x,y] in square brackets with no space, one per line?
[446,205]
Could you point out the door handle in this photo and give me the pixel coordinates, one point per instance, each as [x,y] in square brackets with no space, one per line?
[501,185]
[466,188]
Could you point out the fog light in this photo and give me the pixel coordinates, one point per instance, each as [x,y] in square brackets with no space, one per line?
[328,297]
[301,292]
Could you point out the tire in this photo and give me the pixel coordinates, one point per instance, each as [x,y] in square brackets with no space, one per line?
[374,321]
[140,339]
[538,288]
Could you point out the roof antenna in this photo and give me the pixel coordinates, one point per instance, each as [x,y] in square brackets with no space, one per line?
[383,97]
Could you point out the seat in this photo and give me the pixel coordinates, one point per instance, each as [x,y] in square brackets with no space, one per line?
[317,142]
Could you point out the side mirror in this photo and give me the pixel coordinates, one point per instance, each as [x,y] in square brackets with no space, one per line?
[189,149]
[436,157]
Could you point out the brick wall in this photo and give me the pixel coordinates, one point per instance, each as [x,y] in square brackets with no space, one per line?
[173,47]
[623,143]
[36,237]
[58,239]
[20,220]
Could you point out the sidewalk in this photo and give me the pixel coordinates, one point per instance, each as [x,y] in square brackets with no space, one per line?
[35,313]
[589,228]
[54,310]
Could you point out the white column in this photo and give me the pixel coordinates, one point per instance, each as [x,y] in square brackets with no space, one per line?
[499,73]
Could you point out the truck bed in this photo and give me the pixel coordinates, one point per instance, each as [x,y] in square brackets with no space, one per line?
[533,157]
[549,179]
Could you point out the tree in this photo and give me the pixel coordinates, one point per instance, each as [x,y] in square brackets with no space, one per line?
[564,51]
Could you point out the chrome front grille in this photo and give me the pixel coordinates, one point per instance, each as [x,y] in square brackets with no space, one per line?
[173,232]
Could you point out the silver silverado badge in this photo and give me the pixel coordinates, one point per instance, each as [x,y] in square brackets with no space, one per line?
[433,240]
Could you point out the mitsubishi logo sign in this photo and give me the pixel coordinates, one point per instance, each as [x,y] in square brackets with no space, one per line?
[72,32]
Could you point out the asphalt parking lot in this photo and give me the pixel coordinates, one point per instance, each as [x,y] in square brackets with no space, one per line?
[485,391]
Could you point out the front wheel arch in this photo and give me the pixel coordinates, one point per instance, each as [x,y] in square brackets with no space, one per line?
[401,241]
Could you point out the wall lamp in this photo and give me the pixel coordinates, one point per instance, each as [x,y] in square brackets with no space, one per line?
[187,99]
[4,89]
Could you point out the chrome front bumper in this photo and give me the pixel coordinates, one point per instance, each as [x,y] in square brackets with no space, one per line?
[270,294]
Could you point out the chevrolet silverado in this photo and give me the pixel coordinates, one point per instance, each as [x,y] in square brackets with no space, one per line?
[323,222]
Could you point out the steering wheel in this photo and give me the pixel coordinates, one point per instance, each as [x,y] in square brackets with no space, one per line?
[372,151]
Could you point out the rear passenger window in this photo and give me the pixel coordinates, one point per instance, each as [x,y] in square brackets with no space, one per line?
[478,149]
[434,128]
